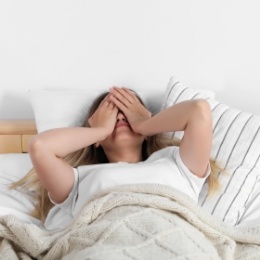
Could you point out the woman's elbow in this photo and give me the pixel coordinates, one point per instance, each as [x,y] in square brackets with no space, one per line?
[36,146]
[203,110]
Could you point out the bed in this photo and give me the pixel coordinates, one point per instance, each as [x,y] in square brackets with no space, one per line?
[144,221]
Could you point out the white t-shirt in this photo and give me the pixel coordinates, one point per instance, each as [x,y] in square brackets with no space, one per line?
[162,167]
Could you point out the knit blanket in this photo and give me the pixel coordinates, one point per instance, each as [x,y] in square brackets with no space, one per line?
[144,221]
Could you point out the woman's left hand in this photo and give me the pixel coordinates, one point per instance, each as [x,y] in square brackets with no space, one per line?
[129,104]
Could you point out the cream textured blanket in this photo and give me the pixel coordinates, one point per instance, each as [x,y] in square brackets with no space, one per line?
[142,221]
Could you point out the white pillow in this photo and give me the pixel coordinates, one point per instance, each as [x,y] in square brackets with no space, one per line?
[176,91]
[60,108]
[68,108]
[236,148]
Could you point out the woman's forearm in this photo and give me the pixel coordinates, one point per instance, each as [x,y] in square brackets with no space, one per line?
[194,117]
[176,117]
[62,141]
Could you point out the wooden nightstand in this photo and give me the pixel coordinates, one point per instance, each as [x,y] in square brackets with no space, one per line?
[15,134]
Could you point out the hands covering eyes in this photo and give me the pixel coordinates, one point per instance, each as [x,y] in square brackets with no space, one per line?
[127,102]
[105,115]
[119,99]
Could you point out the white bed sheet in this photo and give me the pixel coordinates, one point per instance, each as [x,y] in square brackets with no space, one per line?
[12,168]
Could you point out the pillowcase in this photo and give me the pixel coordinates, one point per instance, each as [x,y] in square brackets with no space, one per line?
[236,149]
[60,108]
[69,108]
[176,92]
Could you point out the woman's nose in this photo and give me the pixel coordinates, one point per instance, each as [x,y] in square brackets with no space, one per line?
[120,116]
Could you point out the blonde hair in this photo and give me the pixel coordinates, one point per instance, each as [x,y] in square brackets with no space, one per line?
[92,155]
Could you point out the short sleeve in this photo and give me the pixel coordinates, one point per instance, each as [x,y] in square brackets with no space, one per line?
[69,203]
[195,182]
[56,217]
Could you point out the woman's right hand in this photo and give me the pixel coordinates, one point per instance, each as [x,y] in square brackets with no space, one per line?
[105,115]
[127,102]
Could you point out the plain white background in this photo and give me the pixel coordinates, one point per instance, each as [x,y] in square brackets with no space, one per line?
[135,43]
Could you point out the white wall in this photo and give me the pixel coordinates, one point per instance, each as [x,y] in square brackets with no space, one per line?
[136,43]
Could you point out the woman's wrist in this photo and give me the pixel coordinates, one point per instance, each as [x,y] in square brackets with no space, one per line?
[142,127]
[102,132]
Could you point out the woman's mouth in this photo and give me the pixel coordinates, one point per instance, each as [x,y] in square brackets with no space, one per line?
[121,124]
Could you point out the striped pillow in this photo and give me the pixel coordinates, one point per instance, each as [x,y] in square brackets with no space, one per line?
[236,148]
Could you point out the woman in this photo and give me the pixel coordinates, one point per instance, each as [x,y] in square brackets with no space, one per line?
[122,145]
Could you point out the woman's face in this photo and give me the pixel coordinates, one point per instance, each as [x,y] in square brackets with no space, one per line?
[122,135]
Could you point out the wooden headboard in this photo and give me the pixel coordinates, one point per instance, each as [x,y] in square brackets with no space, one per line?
[15,135]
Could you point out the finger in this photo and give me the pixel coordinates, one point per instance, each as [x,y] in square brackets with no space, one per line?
[106,103]
[123,96]
[131,93]
[104,99]
[111,105]
[118,104]
[114,109]
[90,121]
[114,105]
